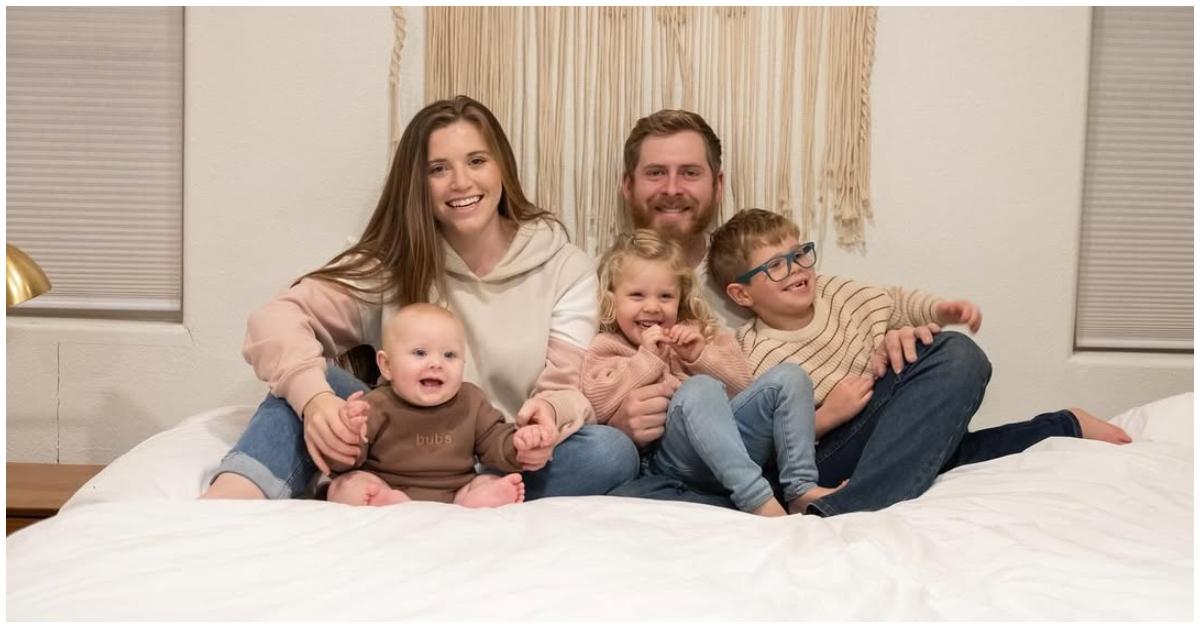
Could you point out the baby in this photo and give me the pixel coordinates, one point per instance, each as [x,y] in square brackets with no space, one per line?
[423,429]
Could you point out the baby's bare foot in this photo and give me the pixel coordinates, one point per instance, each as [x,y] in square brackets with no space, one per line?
[1094,428]
[769,508]
[387,497]
[800,504]
[487,491]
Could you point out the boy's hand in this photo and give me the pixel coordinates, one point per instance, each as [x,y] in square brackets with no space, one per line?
[656,341]
[899,347]
[537,412]
[848,398]
[689,342]
[959,313]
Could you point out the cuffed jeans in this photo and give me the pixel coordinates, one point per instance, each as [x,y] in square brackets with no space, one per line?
[913,428]
[719,445]
[272,454]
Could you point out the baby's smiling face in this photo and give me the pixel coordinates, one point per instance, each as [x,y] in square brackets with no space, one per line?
[423,356]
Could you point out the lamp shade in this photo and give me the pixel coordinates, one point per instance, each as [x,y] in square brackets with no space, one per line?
[25,278]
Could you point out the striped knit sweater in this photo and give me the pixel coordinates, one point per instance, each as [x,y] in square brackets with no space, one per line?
[849,320]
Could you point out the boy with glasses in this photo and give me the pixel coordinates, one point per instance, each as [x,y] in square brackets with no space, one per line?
[874,432]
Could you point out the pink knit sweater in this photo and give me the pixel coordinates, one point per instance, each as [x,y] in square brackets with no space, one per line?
[612,368]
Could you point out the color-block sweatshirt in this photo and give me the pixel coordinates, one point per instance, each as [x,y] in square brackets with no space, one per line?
[613,368]
[849,320]
[528,323]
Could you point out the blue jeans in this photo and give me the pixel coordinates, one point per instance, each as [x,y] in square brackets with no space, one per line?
[913,428]
[720,447]
[271,453]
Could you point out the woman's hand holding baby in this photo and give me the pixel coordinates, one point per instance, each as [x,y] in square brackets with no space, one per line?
[353,414]
[540,414]
[326,436]
[533,436]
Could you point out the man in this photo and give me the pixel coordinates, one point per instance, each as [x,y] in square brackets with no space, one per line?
[673,183]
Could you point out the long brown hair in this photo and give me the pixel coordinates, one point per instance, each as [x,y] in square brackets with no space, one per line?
[400,251]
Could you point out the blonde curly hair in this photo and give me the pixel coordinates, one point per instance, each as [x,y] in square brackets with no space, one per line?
[648,246]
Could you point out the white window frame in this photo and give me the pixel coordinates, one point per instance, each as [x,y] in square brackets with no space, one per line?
[1135,285]
[95,157]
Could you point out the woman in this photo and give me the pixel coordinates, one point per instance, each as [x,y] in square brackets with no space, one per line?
[452,226]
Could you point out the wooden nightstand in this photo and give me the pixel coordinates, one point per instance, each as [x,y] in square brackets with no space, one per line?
[37,490]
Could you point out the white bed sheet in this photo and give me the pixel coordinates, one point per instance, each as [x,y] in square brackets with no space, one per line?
[1069,530]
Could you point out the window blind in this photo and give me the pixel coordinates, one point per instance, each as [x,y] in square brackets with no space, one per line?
[1135,286]
[95,155]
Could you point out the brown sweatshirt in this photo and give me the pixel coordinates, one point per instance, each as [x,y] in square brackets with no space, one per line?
[434,448]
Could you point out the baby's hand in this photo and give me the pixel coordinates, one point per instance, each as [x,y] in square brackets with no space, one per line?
[959,313]
[533,436]
[689,342]
[656,341]
[353,414]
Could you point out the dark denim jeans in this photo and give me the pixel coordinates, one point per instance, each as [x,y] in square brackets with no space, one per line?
[914,428]
[271,453]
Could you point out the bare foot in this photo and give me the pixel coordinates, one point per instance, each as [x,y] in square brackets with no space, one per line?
[769,508]
[360,488]
[800,504]
[377,495]
[1094,428]
[489,491]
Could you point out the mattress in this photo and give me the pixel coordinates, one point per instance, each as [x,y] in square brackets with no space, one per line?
[1068,530]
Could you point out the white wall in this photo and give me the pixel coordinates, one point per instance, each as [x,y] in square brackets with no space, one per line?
[286,146]
[978,147]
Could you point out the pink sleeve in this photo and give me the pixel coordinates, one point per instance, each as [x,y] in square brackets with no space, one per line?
[609,377]
[289,339]
[724,360]
[558,384]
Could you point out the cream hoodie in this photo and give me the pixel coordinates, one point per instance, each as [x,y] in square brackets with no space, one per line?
[528,324]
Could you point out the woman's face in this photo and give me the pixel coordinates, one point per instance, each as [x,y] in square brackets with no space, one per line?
[464,181]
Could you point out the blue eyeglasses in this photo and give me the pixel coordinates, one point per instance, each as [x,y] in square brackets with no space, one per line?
[779,267]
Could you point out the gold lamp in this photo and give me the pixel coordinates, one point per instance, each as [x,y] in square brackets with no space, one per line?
[25,278]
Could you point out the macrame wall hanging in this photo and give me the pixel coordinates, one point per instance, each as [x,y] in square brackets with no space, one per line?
[786,88]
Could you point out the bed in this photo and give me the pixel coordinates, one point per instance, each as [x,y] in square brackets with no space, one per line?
[1068,530]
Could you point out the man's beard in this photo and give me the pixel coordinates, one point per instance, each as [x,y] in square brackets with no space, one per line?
[644,218]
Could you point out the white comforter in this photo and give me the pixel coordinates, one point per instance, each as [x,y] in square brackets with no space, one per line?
[1068,530]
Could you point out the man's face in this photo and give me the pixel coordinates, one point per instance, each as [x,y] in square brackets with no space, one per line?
[672,190]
